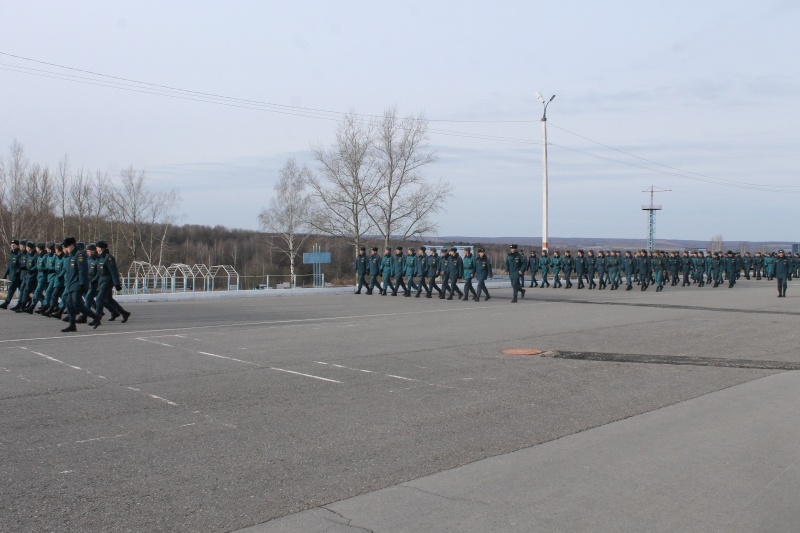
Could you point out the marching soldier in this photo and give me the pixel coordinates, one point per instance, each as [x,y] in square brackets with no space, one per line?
[716,268]
[600,266]
[556,265]
[57,305]
[374,270]
[580,268]
[468,263]
[387,269]
[643,266]
[399,270]
[360,268]
[612,267]
[568,263]
[456,272]
[422,271]
[410,271]
[628,264]
[444,272]
[432,264]
[533,266]
[107,280]
[76,281]
[13,273]
[591,268]
[515,265]
[483,271]
[544,266]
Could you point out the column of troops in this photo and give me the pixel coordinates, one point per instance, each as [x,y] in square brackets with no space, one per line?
[416,271]
[64,278]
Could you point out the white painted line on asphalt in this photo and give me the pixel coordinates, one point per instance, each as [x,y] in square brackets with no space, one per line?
[25,379]
[154,342]
[52,359]
[299,321]
[229,358]
[100,439]
[306,375]
[66,472]
[154,396]
[400,377]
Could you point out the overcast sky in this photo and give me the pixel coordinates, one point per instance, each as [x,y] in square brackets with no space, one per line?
[708,88]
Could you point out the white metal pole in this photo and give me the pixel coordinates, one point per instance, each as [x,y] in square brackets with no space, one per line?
[544,181]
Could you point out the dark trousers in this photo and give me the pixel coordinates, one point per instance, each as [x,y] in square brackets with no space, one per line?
[515,284]
[433,287]
[411,285]
[567,276]
[468,288]
[387,283]
[482,287]
[105,298]
[77,305]
[373,282]
[25,290]
[454,288]
[91,295]
[15,285]
[398,282]
[362,281]
[782,286]
[445,286]
[422,286]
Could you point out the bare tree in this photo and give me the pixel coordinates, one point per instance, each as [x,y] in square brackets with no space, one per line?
[81,201]
[347,185]
[101,204]
[717,243]
[161,215]
[39,199]
[132,202]
[16,215]
[289,212]
[406,202]
[62,193]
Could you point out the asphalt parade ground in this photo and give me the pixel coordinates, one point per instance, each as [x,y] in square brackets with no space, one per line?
[671,411]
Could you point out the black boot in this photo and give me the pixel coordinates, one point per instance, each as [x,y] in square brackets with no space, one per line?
[4,305]
[69,328]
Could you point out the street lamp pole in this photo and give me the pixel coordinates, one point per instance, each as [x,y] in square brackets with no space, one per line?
[544,167]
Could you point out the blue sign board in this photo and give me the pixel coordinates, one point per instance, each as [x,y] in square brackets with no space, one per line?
[311,258]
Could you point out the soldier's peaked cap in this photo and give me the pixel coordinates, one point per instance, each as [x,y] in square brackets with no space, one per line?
[363,248]
[15,241]
[453,249]
[374,248]
[51,244]
[423,248]
[40,245]
[481,250]
[513,246]
[92,246]
[102,244]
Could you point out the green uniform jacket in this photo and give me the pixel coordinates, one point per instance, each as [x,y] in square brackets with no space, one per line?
[468,263]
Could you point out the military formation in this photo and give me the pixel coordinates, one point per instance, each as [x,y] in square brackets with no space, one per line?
[53,279]
[416,271]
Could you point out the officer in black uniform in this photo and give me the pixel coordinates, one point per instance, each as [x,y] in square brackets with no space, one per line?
[13,272]
[361,269]
[107,280]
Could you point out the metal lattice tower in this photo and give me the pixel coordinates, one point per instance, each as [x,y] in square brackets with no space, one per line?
[652,208]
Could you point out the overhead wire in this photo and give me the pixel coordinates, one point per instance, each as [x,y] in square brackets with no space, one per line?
[131,85]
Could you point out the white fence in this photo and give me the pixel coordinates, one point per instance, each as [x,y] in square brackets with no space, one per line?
[144,278]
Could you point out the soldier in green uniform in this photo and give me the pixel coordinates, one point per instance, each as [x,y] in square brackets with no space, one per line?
[422,272]
[444,272]
[628,267]
[556,265]
[469,265]
[13,272]
[107,280]
[387,270]
[568,263]
[716,268]
[782,273]
[432,264]
[374,270]
[600,266]
[515,265]
[76,281]
[50,269]
[410,271]
[659,265]
[591,268]
[686,267]
[533,266]
[483,271]
[612,267]
[399,271]
[769,266]
[544,266]
[580,268]
[456,272]
[361,269]
[758,265]
[40,283]
[56,304]
[747,260]
[643,266]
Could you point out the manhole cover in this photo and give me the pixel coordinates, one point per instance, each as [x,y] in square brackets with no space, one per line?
[522,351]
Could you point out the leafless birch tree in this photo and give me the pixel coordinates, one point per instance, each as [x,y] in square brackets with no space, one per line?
[289,212]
